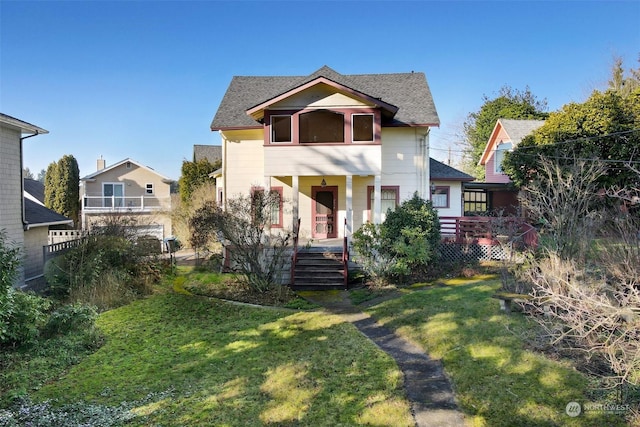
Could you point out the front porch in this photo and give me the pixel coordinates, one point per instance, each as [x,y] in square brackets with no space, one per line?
[322,264]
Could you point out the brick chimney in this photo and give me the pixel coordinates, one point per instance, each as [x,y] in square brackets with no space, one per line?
[101,163]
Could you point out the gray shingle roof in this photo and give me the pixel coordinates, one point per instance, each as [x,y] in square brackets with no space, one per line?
[408,91]
[210,152]
[440,171]
[518,129]
[35,188]
[35,213]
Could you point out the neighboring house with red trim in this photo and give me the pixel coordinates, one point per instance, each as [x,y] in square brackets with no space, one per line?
[339,149]
[497,192]
[13,216]
[129,190]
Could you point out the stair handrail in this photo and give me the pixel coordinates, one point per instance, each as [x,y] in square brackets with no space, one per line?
[345,256]
[294,255]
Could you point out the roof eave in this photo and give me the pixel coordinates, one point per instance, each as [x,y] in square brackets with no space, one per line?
[22,125]
[487,149]
[47,224]
[257,112]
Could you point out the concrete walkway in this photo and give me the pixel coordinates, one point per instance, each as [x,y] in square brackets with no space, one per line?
[427,387]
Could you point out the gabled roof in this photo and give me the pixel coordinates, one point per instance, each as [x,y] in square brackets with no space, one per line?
[92,177]
[515,129]
[36,214]
[210,152]
[441,172]
[22,125]
[407,95]
[35,189]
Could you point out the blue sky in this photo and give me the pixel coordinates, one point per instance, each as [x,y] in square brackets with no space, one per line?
[143,79]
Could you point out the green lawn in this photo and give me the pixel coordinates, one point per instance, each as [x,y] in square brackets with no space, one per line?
[176,359]
[215,363]
[497,381]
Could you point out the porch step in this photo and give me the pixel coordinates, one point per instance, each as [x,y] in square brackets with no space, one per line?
[317,270]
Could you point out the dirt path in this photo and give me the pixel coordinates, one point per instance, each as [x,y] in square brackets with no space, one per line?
[427,387]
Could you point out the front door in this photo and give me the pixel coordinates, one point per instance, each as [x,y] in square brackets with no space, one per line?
[324,210]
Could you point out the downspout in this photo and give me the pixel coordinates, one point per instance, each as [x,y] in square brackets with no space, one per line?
[426,167]
[25,224]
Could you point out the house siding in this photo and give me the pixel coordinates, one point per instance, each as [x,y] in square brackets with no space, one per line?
[455,198]
[11,189]
[402,161]
[34,240]
[491,175]
[398,161]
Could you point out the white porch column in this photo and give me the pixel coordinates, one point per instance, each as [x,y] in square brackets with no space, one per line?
[295,192]
[349,206]
[377,199]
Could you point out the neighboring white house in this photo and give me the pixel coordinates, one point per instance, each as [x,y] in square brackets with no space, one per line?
[130,190]
[13,219]
[338,149]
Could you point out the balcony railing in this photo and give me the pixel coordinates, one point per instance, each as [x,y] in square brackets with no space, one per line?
[142,203]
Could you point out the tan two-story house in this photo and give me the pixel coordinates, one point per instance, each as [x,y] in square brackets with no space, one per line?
[338,149]
[128,191]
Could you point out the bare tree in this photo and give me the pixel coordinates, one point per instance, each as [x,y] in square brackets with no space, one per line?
[253,248]
[565,200]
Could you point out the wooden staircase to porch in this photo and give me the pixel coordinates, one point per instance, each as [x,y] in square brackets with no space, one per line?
[319,269]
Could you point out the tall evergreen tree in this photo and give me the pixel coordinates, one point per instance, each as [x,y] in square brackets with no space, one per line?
[51,185]
[62,187]
[193,175]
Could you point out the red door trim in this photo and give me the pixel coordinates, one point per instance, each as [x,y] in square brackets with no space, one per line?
[334,190]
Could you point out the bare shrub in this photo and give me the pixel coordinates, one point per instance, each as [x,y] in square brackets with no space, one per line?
[586,295]
[565,200]
[581,310]
[258,252]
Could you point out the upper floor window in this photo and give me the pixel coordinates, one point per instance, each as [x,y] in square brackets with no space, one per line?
[113,195]
[281,129]
[498,157]
[321,126]
[148,188]
[362,127]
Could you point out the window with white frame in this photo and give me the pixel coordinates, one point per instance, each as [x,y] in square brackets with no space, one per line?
[498,156]
[362,127]
[389,196]
[440,197]
[148,188]
[113,195]
[281,129]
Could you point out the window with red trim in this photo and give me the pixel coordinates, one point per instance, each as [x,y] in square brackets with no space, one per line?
[267,208]
[440,197]
[389,200]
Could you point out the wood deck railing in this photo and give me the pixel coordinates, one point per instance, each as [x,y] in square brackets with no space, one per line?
[487,230]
